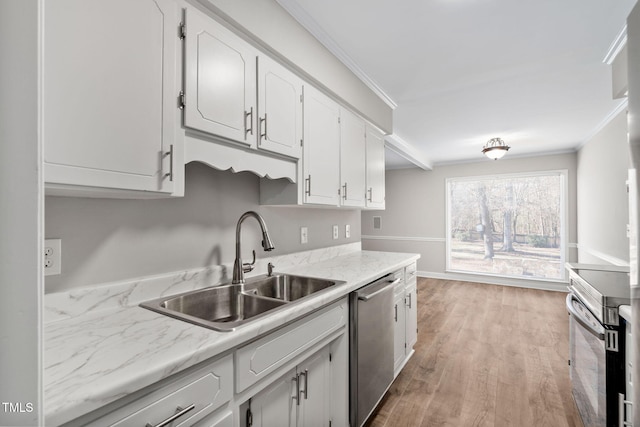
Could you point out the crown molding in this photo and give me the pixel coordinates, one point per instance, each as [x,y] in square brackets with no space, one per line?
[618,43]
[301,15]
[403,149]
[617,110]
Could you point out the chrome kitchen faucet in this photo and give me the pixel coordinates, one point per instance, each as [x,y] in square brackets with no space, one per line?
[239,268]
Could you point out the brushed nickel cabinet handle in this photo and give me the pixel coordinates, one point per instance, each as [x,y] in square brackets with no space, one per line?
[179,412]
[170,154]
[297,396]
[344,188]
[370,194]
[247,129]
[263,127]
[306,383]
[308,182]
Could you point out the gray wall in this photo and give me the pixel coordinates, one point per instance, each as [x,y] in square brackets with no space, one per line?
[106,240]
[20,215]
[275,29]
[603,205]
[416,206]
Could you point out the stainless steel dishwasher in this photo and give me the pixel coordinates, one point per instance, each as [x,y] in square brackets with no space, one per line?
[371,346]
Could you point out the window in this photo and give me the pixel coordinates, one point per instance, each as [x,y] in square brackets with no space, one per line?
[507,225]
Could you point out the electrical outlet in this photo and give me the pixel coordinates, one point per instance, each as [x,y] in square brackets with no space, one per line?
[335,232]
[304,235]
[347,231]
[52,256]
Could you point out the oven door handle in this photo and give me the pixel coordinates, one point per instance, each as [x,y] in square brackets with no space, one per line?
[578,318]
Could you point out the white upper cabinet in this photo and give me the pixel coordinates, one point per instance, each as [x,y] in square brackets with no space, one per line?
[279,109]
[220,80]
[352,159]
[109,91]
[321,149]
[375,169]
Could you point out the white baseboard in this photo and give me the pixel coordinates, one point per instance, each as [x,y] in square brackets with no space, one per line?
[503,281]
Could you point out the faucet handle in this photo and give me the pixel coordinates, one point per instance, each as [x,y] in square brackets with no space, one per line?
[248,266]
[270,268]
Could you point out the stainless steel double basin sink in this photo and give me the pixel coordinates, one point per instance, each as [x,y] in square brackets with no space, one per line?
[225,307]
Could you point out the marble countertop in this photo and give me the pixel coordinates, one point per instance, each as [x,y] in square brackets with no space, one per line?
[625,312]
[95,358]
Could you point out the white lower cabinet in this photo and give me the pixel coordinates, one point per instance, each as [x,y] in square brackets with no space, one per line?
[405,317]
[294,376]
[399,330]
[300,398]
[187,399]
[274,406]
[224,419]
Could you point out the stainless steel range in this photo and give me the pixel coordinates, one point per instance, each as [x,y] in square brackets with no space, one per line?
[597,342]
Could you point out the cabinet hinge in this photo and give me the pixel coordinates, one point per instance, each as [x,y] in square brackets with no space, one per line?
[301,143]
[330,357]
[330,423]
[249,415]
[339,120]
[181,100]
[302,97]
[182,31]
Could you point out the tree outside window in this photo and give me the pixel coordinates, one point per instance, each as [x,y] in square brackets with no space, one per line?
[508,225]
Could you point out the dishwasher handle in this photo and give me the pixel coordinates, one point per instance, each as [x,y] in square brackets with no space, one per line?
[367,296]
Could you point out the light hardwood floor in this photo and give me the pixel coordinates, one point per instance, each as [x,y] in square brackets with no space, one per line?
[486,355]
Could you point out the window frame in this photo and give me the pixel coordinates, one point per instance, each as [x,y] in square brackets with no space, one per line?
[564,220]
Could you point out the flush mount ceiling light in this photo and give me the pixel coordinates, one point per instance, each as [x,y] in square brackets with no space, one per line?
[495,148]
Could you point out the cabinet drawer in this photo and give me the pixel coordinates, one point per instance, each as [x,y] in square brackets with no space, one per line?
[260,358]
[411,273]
[210,390]
[398,289]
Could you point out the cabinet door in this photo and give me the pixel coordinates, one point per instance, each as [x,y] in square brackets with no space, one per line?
[220,80]
[321,148]
[375,169]
[412,316]
[223,420]
[109,93]
[399,330]
[276,405]
[352,159]
[279,109]
[315,390]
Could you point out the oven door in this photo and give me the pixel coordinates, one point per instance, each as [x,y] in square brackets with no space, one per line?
[594,366]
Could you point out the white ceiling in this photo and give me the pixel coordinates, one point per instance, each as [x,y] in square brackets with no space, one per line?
[463,71]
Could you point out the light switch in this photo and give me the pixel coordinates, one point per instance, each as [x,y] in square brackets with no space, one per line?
[335,232]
